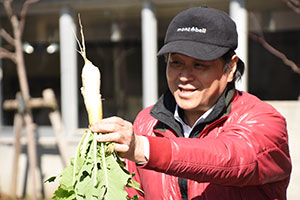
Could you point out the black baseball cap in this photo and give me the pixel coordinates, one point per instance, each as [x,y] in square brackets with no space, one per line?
[202,33]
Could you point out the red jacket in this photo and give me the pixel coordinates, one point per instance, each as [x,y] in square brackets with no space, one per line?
[243,155]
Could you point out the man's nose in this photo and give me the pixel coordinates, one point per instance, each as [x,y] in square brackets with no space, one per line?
[186,73]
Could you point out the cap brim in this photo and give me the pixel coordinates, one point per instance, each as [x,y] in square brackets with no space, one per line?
[193,49]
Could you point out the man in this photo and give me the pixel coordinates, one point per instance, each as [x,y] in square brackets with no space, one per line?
[204,139]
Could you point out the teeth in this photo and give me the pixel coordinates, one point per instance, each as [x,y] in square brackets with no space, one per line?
[186,90]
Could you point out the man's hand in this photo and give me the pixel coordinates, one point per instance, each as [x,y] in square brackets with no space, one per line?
[119,131]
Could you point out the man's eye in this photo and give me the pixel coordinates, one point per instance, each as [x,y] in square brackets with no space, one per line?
[175,63]
[199,65]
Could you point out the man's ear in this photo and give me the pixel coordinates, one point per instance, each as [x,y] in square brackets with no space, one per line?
[232,68]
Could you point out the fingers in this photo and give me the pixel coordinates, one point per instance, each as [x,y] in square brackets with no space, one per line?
[111,137]
[121,148]
[118,131]
[109,125]
[119,145]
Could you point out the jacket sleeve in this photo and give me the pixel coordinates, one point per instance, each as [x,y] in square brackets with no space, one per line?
[249,150]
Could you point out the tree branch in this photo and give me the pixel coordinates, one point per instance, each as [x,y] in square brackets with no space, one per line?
[5,35]
[24,12]
[275,52]
[4,53]
[294,5]
[8,8]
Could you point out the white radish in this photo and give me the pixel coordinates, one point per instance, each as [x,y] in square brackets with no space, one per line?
[90,89]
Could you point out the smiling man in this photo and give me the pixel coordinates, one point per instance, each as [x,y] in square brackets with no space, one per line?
[203,139]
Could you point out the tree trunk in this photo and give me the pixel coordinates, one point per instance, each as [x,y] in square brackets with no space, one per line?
[31,144]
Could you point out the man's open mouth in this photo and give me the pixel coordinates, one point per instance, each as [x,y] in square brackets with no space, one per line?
[187,89]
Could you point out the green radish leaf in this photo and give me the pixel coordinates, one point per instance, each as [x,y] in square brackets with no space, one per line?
[136,197]
[51,179]
[61,194]
[66,178]
[114,180]
[85,186]
[80,162]
[133,184]
[96,172]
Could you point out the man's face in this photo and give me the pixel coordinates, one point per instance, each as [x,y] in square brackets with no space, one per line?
[195,84]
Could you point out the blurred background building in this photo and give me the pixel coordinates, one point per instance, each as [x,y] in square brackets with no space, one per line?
[122,38]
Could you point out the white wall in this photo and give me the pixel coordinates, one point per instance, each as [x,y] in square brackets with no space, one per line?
[291,111]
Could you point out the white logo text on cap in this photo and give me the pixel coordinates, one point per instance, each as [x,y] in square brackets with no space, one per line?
[192,29]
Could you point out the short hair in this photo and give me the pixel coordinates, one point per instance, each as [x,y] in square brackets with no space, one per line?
[240,65]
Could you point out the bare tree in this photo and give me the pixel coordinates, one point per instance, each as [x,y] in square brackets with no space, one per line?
[293,4]
[17,22]
[275,52]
